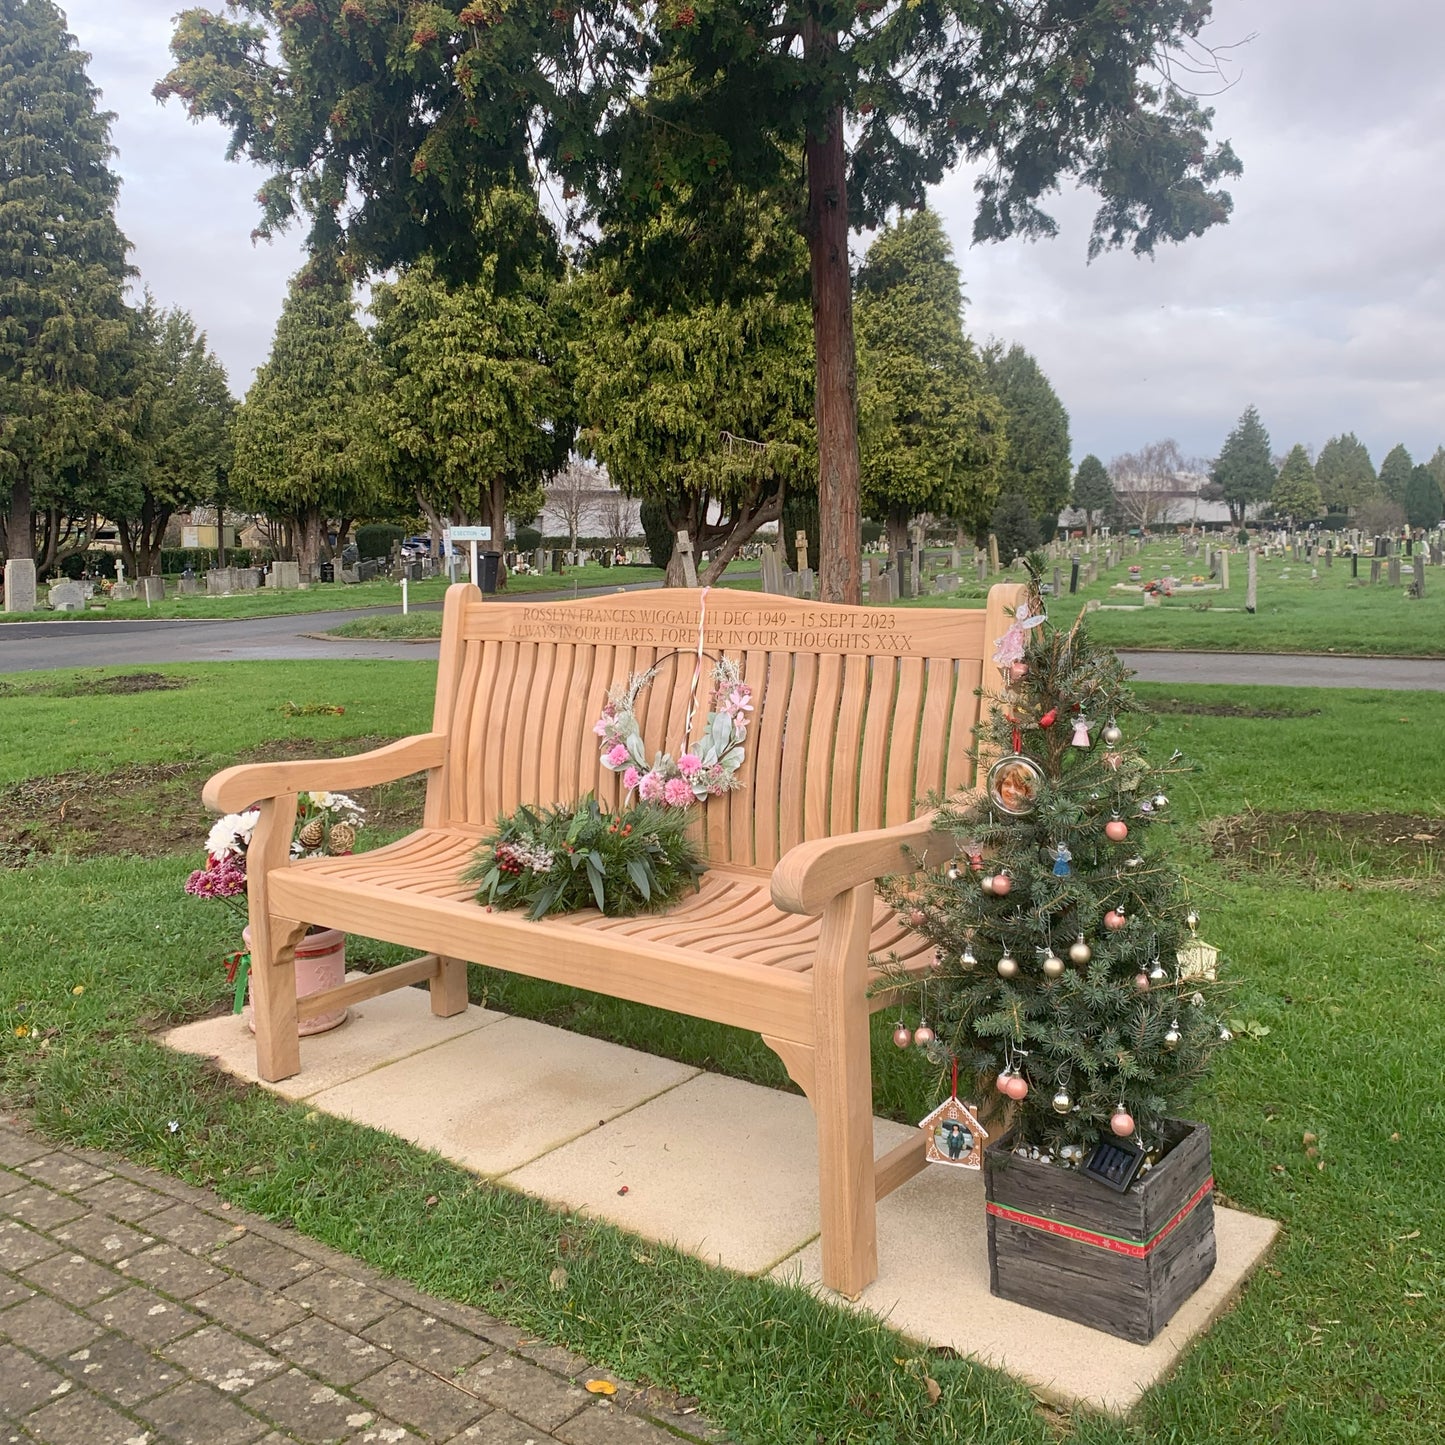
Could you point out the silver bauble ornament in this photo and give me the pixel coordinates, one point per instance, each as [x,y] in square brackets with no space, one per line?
[1156,974]
[1225,1036]
[1172,1037]
[1160,801]
[1192,919]
[1008,966]
[968,960]
[1062,1102]
[952,873]
[1053,965]
[986,882]
[1080,951]
[1113,734]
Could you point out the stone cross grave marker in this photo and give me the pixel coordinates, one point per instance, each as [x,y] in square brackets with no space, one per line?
[800,546]
[689,567]
[67,597]
[20,585]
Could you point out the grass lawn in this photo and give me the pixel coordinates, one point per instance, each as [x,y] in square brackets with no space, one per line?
[1297,612]
[1334,933]
[331,597]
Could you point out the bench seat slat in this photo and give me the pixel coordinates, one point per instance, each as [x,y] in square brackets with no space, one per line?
[729,927]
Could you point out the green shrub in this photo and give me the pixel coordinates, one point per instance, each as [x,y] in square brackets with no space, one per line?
[528,539]
[377,539]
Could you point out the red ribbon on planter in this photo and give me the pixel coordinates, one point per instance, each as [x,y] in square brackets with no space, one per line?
[1132,1248]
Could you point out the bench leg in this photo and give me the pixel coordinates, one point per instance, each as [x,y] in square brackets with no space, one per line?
[273,996]
[843,1095]
[448,987]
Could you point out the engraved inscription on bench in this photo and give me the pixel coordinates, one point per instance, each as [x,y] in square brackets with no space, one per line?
[851,630]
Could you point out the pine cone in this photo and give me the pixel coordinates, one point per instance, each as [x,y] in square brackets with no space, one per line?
[312,834]
[343,838]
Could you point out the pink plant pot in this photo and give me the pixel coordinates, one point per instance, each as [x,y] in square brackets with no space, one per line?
[320,964]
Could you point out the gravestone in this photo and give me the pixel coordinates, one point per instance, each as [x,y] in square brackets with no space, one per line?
[1330,557]
[807,583]
[790,584]
[1375,564]
[153,589]
[1224,571]
[122,592]
[219,581]
[946,582]
[982,568]
[20,584]
[541,562]
[287,576]
[906,575]
[772,571]
[1058,582]
[352,576]
[1394,573]
[1437,554]
[67,597]
[367,569]
[1252,586]
[885,589]
[188,587]
[993,566]
[800,548]
[248,579]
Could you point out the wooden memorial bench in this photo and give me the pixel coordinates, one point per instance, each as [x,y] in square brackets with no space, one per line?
[859,712]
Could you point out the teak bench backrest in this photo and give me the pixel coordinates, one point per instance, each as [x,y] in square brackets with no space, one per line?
[858,711]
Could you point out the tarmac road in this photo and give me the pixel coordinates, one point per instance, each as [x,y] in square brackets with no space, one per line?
[28,646]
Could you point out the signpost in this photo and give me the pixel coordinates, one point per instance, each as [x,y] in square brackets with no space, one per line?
[471,535]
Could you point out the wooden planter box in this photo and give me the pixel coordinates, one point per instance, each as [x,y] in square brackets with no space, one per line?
[1123,1263]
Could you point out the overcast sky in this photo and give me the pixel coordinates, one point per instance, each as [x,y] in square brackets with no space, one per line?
[1322,301]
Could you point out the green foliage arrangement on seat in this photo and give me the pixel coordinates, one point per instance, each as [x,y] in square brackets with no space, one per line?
[583,855]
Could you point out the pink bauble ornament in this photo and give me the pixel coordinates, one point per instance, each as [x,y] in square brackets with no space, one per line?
[1122,1123]
[1018,1087]
[1141,982]
[1116,830]
[916,918]
[1018,670]
[1002,1082]
[902,1036]
[1001,885]
[923,1036]
[1114,920]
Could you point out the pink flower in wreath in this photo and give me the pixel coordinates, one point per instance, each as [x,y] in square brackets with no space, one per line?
[630,779]
[615,757]
[688,764]
[601,726]
[650,788]
[677,792]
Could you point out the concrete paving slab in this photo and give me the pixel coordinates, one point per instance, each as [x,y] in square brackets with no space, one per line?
[380,1031]
[721,1168]
[1064,1363]
[500,1096]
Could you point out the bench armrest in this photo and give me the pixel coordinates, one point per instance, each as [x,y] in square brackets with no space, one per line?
[808,877]
[236,788]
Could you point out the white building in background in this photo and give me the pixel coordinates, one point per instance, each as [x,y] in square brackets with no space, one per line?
[582,495]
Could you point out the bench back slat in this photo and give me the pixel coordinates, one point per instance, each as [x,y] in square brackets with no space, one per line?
[857,712]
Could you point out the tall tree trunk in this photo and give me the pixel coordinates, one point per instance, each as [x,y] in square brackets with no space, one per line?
[745,527]
[498,524]
[311,525]
[897,524]
[20,521]
[835,405]
[343,531]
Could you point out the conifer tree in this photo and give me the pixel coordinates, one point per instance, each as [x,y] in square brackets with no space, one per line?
[1423,502]
[1013,527]
[1058,984]
[1395,472]
[473,410]
[1036,465]
[1093,492]
[301,433]
[1345,473]
[1243,472]
[1296,491]
[65,334]
[931,432]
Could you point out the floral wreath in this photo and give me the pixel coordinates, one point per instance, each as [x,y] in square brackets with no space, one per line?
[709,769]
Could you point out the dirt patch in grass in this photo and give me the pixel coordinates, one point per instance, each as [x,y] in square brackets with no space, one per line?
[1187,708]
[1399,849]
[152,810]
[109,684]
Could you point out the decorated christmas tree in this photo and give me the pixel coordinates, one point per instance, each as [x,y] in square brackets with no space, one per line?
[1068,982]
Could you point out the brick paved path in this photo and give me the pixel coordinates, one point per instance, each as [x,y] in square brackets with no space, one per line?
[135,1310]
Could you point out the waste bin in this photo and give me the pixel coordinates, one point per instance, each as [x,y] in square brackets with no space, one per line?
[490,563]
[328,572]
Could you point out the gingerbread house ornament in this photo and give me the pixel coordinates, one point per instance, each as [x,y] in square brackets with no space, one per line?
[954,1135]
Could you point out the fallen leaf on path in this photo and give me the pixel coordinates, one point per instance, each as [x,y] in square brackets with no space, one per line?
[600,1387]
